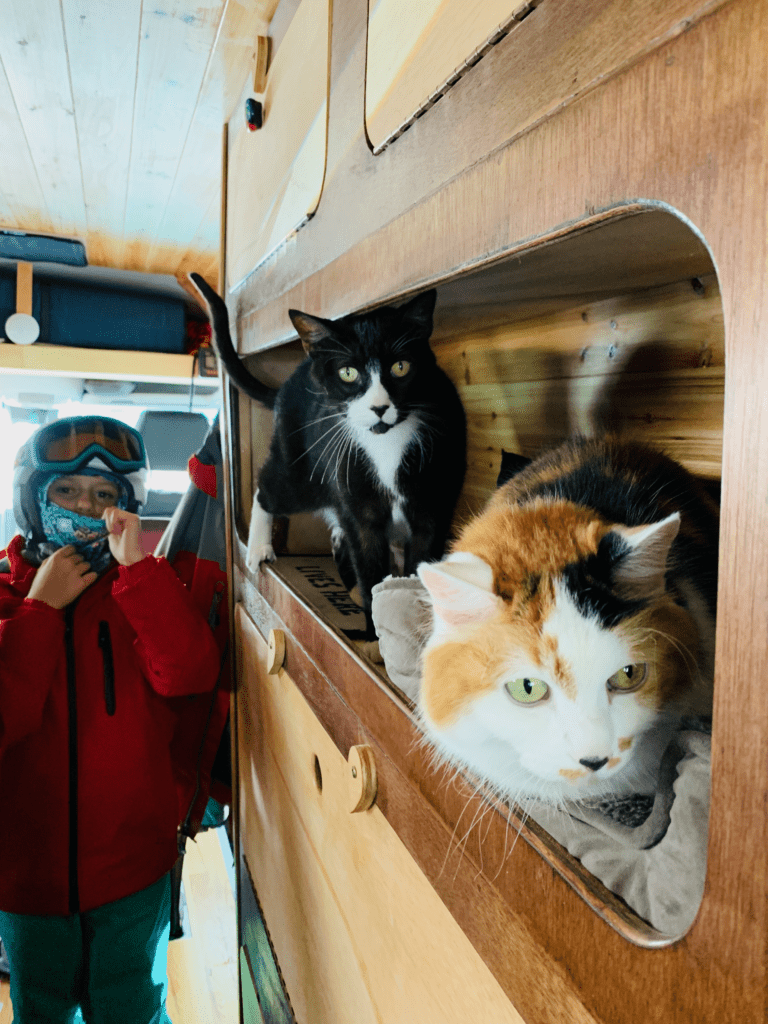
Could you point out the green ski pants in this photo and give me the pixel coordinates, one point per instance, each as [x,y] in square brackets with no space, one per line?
[105,966]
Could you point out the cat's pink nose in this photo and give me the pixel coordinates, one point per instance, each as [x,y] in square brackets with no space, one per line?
[593,763]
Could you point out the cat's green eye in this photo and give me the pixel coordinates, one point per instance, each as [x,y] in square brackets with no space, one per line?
[629,678]
[400,368]
[348,374]
[527,690]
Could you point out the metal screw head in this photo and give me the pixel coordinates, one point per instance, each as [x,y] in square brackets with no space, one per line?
[354,773]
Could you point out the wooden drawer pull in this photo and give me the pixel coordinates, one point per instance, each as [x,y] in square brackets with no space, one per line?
[276,655]
[363,782]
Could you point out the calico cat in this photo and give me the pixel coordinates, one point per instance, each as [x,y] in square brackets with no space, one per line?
[573,624]
[368,431]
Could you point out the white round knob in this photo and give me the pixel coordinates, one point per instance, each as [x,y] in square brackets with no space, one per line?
[22,328]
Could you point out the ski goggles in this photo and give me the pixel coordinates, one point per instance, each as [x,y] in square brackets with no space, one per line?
[66,445]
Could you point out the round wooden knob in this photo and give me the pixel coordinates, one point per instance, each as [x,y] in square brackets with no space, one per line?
[362,777]
[276,655]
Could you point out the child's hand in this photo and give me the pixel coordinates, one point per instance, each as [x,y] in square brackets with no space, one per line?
[61,578]
[124,535]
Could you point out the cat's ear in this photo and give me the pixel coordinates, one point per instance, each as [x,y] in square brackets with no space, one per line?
[641,554]
[461,589]
[418,311]
[312,330]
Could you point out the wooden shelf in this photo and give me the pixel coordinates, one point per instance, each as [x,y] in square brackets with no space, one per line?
[97,363]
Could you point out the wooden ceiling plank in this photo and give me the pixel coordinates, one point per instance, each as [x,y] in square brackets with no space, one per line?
[33,52]
[75,159]
[196,187]
[198,180]
[203,251]
[176,41]
[22,203]
[102,43]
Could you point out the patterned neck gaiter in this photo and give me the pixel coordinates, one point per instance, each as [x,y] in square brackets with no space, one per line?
[89,536]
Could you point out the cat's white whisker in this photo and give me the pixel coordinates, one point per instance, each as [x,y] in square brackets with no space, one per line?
[461,846]
[402,342]
[337,442]
[343,351]
[345,453]
[328,447]
[522,818]
[311,423]
[506,837]
[487,814]
[351,451]
[336,426]
[335,431]
[452,838]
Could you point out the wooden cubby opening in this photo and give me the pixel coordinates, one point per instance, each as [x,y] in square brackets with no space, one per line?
[615,325]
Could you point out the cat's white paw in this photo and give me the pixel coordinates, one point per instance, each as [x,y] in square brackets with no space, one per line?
[264,553]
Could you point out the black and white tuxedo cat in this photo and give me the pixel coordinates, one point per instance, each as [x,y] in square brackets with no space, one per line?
[368,431]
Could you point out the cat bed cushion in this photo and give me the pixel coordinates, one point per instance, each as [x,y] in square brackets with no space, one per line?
[650,851]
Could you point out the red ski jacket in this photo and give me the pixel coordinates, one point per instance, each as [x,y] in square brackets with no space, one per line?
[89,699]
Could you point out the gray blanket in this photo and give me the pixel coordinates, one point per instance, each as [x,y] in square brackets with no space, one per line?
[650,851]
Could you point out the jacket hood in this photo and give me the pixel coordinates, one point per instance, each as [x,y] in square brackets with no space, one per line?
[15,565]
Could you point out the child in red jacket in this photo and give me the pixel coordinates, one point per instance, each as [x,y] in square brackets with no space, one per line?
[97,642]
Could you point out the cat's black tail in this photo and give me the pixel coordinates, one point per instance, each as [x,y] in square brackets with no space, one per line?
[226,351]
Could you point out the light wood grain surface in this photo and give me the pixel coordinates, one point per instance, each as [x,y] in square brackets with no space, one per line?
[24,287]
[413,49]
[107,364]
[202,967]
[280,168]
[471,176]
[359,932]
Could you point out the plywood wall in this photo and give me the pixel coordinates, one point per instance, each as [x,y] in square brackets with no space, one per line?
[649,364]
[359,932]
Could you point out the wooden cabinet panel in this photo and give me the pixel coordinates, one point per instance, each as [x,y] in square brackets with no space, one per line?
[590,113]
[511,153]
[359,932]
[276,173]
[416,49]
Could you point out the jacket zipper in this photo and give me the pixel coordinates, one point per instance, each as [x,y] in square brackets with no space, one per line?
[213,611]
[105,643]
[69,645]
